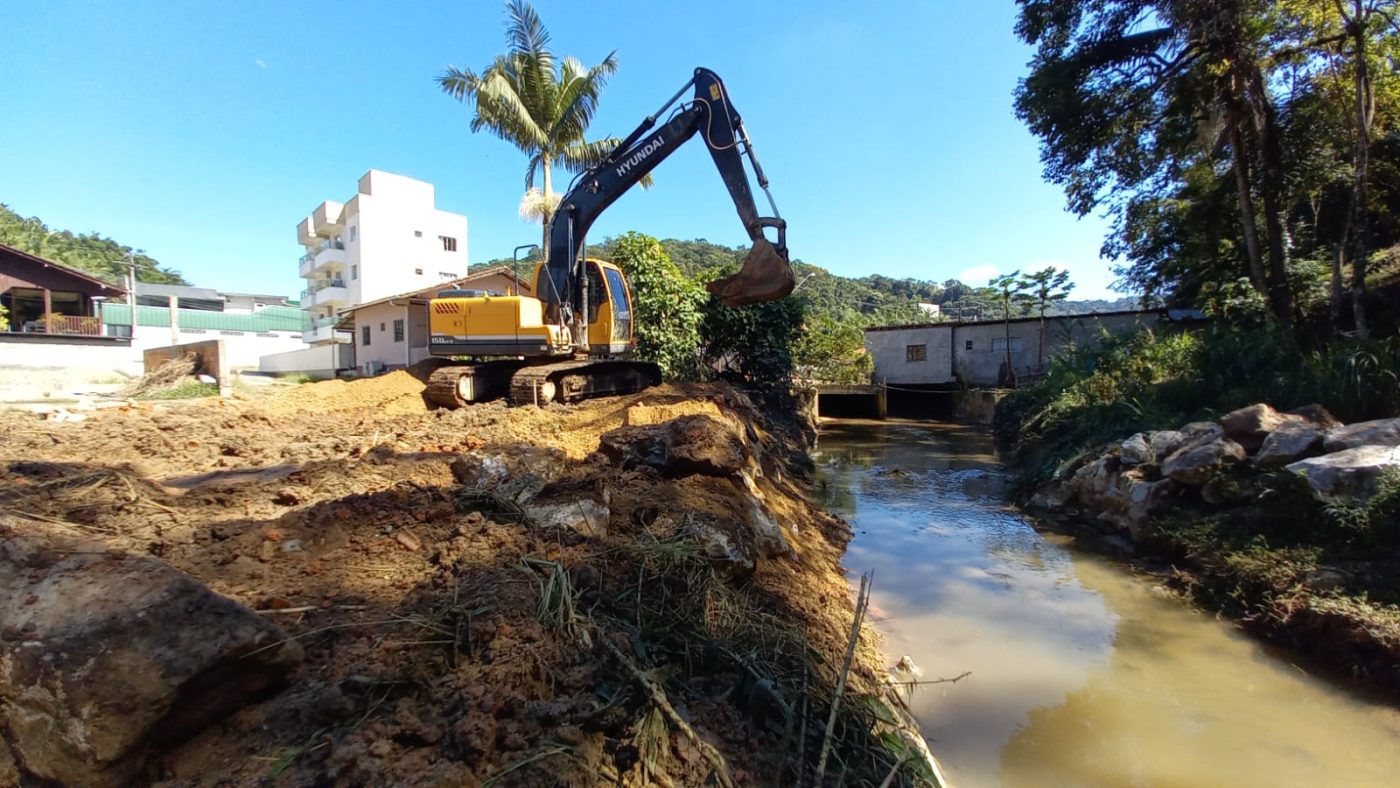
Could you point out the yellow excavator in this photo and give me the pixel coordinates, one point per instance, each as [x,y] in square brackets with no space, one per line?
[573,338]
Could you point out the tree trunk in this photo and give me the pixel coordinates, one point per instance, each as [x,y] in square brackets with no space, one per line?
[1040,353]
[1362,165]
[546,210]
[1246,203]
[1272,183]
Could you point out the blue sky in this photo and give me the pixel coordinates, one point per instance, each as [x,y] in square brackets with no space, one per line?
[203,132]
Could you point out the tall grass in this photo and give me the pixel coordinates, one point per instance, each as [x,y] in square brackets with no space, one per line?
[1150,380]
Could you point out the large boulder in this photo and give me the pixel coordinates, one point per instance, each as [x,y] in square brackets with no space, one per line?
[1196,462]
[698,444]
[517,472]
[1251,427]
[1289,443]
[1381,432]
[104,654]
[1350,473]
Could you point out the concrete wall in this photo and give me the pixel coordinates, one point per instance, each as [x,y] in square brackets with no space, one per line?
[890,351]
[320,362]
[972,353]
[242,349]
[96,355]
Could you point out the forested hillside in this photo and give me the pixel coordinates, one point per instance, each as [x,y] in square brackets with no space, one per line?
[90,253]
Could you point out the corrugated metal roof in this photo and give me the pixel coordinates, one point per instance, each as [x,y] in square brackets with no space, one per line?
[273,318]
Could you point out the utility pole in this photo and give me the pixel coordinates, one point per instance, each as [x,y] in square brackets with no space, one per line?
[131,291]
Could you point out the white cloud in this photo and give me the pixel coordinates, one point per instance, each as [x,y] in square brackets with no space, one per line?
[260,63]
[1091,279]
[978,276]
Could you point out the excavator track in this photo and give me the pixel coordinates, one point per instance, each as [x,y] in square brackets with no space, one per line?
[459,385]
[571,381]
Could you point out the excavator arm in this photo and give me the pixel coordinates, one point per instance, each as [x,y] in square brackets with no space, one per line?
[765,275]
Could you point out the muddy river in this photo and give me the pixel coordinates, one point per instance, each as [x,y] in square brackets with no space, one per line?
[1081,673]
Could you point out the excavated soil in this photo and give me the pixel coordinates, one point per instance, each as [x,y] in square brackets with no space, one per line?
[332,509]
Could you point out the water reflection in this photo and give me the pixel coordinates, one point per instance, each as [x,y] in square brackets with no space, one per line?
[1081,674]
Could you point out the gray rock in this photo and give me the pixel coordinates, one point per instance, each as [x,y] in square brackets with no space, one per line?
[1249,426]
[1164,442]
[1201,429]
[1051,497]
[1350,473]
[727,555]
[1201,458]
[104,653]
[1381,432]
[517,473]
[767,534]
[1136,451]
[1317,416]
[1289,443]
[583,516]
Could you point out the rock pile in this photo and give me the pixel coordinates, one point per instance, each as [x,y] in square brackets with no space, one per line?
[1221,463]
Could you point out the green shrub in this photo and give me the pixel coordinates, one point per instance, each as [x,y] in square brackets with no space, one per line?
[666,310]
[189,389]
[1151,380]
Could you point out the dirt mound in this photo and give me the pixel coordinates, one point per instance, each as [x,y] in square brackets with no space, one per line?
[456,630]
[393,394]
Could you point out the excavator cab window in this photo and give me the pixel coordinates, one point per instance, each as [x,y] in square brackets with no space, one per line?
[622,308]
[597,293]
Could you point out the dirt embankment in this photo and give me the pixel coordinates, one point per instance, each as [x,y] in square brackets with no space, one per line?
[629,590]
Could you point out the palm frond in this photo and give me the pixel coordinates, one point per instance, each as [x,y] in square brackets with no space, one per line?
[458,83]
[578,95]
[501,110]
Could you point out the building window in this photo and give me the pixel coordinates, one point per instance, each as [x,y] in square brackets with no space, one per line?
[353,228]
[418,271]
[354,272]
[381,327]
[968,345]
[417,233]
[449,244]
[1000,345]
[447,275]
[398,330]
[916,353]
[231,333]
[364,336]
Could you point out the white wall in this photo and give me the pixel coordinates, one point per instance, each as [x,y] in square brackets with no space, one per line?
[397,246]
[382,348]
[85,357]
[320,361]
[243,349]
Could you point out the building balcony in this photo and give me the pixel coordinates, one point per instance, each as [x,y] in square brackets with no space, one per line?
[323,331]
[329,256]
[306,232]
[325,292]
[326,219]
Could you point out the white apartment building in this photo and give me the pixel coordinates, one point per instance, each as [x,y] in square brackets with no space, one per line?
[389,238]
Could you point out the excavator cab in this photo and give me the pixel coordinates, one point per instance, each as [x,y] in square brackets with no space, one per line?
[609,317]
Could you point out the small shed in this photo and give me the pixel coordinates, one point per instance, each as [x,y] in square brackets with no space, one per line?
[44,297]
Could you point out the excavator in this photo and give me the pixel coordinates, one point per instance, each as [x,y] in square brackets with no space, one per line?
[573,338]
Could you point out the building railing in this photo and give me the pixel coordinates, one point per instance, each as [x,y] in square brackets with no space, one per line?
[324,245]
[61,324]
[321,284]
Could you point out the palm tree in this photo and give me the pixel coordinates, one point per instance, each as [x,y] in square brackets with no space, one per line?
[539,104]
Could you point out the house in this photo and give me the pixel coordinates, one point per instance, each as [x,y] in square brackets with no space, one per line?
[41,296]
[392,332]
[947,355]
[52,317]
[389,238]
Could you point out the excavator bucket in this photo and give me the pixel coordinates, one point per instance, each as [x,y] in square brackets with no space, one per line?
[765,276]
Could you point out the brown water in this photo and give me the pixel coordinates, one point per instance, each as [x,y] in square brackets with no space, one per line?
[1082,673]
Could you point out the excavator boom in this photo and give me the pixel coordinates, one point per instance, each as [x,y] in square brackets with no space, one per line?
[766,274]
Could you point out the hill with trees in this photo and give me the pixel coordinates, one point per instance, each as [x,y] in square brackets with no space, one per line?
[92,253]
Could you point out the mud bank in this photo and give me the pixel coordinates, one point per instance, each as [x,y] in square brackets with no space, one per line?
[1288,523]
[627,591]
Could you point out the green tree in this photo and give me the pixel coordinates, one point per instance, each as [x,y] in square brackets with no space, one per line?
[90,253]
[1040,290]
[830,350]
[1008,288]
[1127,95]
[4,319]
[751,344]
[538,103]
[666,310]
